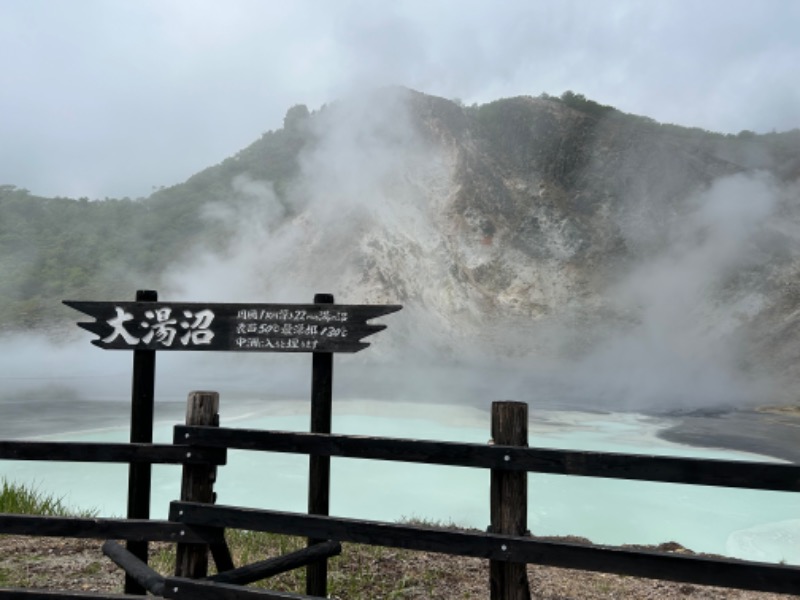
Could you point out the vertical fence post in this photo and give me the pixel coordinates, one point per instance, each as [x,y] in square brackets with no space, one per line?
[319,467]
[202,408]
[139,475]
[509,501]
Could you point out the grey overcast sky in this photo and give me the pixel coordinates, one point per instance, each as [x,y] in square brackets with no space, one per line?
[113,97]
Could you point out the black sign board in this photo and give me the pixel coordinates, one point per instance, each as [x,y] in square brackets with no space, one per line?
[231,327]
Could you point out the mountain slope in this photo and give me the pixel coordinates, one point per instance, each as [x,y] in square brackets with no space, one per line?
[600,252]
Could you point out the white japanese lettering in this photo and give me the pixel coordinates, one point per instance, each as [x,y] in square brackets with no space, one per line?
[118,323]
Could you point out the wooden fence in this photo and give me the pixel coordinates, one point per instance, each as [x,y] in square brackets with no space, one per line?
[197,524]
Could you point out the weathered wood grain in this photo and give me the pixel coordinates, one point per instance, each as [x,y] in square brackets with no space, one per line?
[177,588]
[134,568]
[508,501]
[22,594]
[319,466]
[197,484]
[694,471]
[142,410]
[279,564]
[110,452]
[103,529]
[672,567]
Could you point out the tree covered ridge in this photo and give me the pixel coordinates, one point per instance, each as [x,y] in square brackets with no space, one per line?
[57,248]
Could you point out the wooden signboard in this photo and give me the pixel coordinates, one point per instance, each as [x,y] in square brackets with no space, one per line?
[231,327]
[146,326]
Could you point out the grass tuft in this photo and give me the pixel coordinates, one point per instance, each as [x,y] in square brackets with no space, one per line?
[22,499]
[359,573]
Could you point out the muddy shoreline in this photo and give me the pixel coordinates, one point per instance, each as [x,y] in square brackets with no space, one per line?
[773,432]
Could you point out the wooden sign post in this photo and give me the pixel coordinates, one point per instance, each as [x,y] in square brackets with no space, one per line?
[319,467]
[140,475]
[147,326]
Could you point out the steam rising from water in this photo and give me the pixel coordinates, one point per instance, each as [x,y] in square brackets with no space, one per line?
[682,347]
[367,219]
[368,169]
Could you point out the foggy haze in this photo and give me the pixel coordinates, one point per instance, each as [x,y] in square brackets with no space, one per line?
[684,347]
[116,99]
[368,200]
[104,99]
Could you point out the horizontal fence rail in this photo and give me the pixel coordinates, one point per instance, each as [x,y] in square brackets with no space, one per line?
[180,587]
[690,569]
[134,568]
[111,452]
[23,594]
[192,589]
[103,529]
[694,471]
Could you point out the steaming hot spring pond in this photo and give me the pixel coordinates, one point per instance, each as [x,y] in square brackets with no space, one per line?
[750,524]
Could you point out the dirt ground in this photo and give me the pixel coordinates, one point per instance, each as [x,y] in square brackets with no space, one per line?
[78,565]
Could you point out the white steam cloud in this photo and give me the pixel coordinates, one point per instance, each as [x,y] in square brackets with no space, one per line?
[368,226]
[682,347]
[365,220]
[363,224]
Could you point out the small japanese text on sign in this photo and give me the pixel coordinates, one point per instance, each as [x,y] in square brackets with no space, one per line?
[240,327]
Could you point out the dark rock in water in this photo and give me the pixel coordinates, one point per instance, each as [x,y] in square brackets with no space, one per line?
[768,434]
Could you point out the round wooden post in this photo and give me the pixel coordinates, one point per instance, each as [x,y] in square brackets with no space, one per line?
[202,408]
[509,501]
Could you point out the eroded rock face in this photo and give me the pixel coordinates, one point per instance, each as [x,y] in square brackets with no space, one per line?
[597,247]
[577,251]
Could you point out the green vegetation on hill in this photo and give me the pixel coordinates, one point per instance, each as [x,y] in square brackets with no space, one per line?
[59,248]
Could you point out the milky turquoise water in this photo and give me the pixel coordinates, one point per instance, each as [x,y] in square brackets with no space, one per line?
[741,523]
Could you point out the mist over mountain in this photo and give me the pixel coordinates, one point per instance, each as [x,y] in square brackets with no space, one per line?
[575,251]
